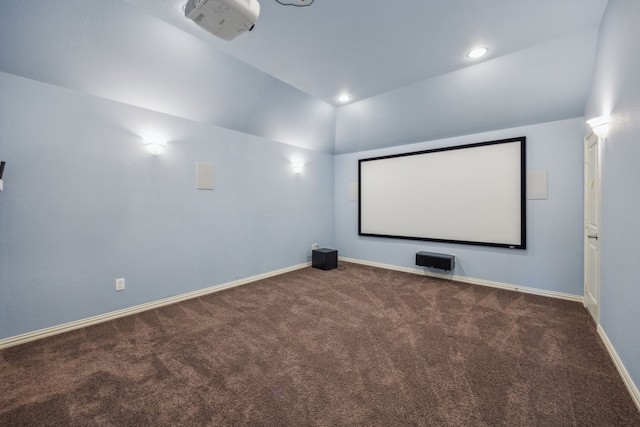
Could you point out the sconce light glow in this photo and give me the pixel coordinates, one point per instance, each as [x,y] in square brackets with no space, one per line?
[477,53]
[600,125]
[297,167]
[155,146]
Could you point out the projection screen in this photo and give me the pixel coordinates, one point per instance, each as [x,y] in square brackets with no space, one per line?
[471,194]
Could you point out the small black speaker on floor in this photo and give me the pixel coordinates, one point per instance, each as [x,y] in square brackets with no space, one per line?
[324,259]
[434,260]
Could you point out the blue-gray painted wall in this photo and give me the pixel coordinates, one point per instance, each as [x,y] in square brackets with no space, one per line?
[84,204]
[616,91]
[553,259]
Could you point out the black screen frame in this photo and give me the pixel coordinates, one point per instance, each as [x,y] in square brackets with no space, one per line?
[522,244]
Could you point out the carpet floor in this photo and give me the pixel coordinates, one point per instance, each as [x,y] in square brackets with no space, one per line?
[356,346]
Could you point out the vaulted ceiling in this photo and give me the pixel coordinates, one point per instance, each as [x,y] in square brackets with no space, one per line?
[367,47]
[403,63]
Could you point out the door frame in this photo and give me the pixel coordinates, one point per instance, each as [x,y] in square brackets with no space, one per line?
[595,313]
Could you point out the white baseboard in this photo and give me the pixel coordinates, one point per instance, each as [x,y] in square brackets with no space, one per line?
[626,378]
[55,330]
[420,271]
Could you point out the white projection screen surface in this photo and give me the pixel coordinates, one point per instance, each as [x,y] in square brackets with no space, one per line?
[471,194]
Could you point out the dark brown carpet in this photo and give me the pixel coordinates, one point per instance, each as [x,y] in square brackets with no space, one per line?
[359,346]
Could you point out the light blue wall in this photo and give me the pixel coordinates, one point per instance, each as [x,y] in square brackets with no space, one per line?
[616,91]
[553,258]
[85,203]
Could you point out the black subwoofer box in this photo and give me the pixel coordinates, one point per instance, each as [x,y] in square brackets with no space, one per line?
[324,259]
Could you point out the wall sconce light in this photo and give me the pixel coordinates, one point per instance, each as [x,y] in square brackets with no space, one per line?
[155,146]
[297,167]
[600,126]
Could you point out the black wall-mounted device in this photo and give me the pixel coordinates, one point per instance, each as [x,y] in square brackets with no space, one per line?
[434,260]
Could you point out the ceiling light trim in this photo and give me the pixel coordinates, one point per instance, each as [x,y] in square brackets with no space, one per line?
[344,98]
[478,52]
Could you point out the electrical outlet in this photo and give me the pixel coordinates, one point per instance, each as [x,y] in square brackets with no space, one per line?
[119,284]
[314,246]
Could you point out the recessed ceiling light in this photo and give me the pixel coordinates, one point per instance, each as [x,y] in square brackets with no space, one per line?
[344,98]
[477,53]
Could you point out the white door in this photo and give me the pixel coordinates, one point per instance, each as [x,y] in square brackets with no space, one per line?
[592,221]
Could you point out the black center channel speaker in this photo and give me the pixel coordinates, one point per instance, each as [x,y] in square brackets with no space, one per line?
[434,260]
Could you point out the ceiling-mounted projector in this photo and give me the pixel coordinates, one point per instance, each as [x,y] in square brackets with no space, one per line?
[226,19]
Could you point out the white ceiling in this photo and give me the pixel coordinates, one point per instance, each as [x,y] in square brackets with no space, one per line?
[403,62]
[368,47]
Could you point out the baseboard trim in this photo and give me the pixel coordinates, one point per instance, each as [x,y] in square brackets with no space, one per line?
[66,327]
[626,378]
[420,271]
